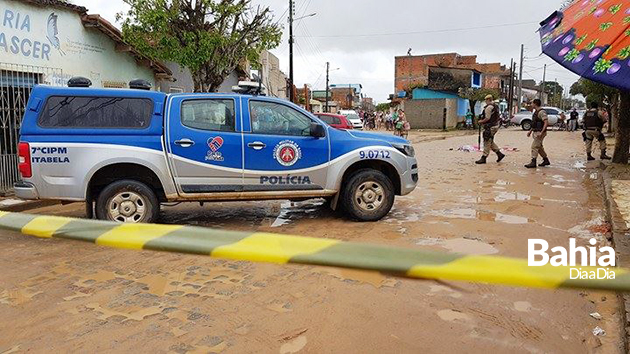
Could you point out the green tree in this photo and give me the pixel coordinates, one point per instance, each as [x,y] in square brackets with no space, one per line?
[209,37]
[554,92]
[383,107]
[473,95]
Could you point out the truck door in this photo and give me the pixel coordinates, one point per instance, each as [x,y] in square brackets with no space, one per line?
[280,154]
[205,143]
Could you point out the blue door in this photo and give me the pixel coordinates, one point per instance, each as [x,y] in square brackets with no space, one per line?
[280,154]
[205,143]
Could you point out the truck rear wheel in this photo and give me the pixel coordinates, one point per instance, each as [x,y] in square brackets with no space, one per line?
[127,201]
[368,195]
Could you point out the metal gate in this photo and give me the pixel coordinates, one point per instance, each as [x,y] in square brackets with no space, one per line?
[16,83]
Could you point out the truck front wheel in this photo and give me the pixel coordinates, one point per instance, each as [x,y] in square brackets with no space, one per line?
[127,201]
[368,195]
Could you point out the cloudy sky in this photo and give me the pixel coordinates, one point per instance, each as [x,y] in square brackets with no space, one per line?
[362,37]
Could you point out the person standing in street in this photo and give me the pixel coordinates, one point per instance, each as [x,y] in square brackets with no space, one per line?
[490,119]
[399,123]
[469,120]
[593,123]
[573,120]
[540,123]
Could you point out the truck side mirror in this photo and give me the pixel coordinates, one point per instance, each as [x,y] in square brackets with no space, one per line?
[318,130]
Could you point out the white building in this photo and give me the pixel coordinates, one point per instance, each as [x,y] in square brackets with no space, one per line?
[50,41]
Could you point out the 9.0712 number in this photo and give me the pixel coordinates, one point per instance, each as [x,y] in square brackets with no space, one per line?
[375,154]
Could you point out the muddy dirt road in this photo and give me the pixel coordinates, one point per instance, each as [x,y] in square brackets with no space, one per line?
[59,295]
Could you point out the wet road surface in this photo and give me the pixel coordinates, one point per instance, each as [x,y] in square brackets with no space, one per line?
[66,296]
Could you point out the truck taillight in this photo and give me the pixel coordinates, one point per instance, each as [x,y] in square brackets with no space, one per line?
[24,165]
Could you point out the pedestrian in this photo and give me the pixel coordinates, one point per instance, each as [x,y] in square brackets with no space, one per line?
[469,120]
[399,123]
[540,122]
[573,120]
[593,124]
[490,119]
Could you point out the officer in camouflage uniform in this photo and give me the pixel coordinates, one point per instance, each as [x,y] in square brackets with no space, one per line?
[593,124]
[490,120]
[539,130]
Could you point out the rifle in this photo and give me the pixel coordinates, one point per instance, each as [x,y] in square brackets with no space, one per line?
[479,137]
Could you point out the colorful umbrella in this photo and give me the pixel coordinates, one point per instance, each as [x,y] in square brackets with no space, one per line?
[592,39]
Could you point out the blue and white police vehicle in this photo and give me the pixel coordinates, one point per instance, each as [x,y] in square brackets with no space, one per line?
[126,151]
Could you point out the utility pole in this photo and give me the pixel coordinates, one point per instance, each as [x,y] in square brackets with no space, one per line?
[510,95]
[520,78]
[327,87]
[555,93]
[543,86]
[291,94]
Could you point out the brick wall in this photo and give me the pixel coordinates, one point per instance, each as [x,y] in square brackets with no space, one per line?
[414,70]
[340,95]
[428,114]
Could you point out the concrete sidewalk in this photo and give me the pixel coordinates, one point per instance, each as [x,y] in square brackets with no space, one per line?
[17,205]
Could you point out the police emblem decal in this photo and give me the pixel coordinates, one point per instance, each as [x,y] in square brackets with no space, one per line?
[287,153]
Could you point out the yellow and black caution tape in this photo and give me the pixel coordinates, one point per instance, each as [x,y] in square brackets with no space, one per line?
[282,249]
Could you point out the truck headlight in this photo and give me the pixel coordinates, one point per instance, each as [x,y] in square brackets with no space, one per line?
[405,149]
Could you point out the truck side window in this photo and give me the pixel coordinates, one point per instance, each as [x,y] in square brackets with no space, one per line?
[209,114]
[277,119]
[96,112]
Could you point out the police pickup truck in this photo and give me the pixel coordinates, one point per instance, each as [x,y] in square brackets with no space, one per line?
[126,151]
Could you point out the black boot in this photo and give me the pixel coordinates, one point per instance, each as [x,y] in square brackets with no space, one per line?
[589,157]
[481,161]
[531,164]
[604,156]
[500,156]
[545,162]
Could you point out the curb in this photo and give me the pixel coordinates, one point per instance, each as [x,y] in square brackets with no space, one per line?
[621,243]
[28,205]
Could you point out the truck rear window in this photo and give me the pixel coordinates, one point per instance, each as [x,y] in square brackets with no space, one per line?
[96,112]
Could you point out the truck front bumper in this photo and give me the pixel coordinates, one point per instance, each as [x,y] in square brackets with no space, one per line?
[25,190]
[409,179]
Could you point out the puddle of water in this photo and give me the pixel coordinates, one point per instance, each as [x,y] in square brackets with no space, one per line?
[429,241]
[579,165]
[471,200]
[511,219]
[290,211]
[375,279]
[466,246]
[497,182]
[452,315]
[469,213]
[510,196]
[294,346]
[283,217]
[585,229]
[435,289]
[522,306]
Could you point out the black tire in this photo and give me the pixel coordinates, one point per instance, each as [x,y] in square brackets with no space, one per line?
[357,208]
[526,125]
[135,194]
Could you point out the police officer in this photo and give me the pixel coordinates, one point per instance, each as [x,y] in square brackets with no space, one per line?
[490,119]
[539,130]
[593,124]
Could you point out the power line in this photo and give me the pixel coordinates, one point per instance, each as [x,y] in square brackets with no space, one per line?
[427,31]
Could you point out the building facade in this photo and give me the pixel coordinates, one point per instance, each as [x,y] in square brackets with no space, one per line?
[56,41]
[48,42]
[414,71]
